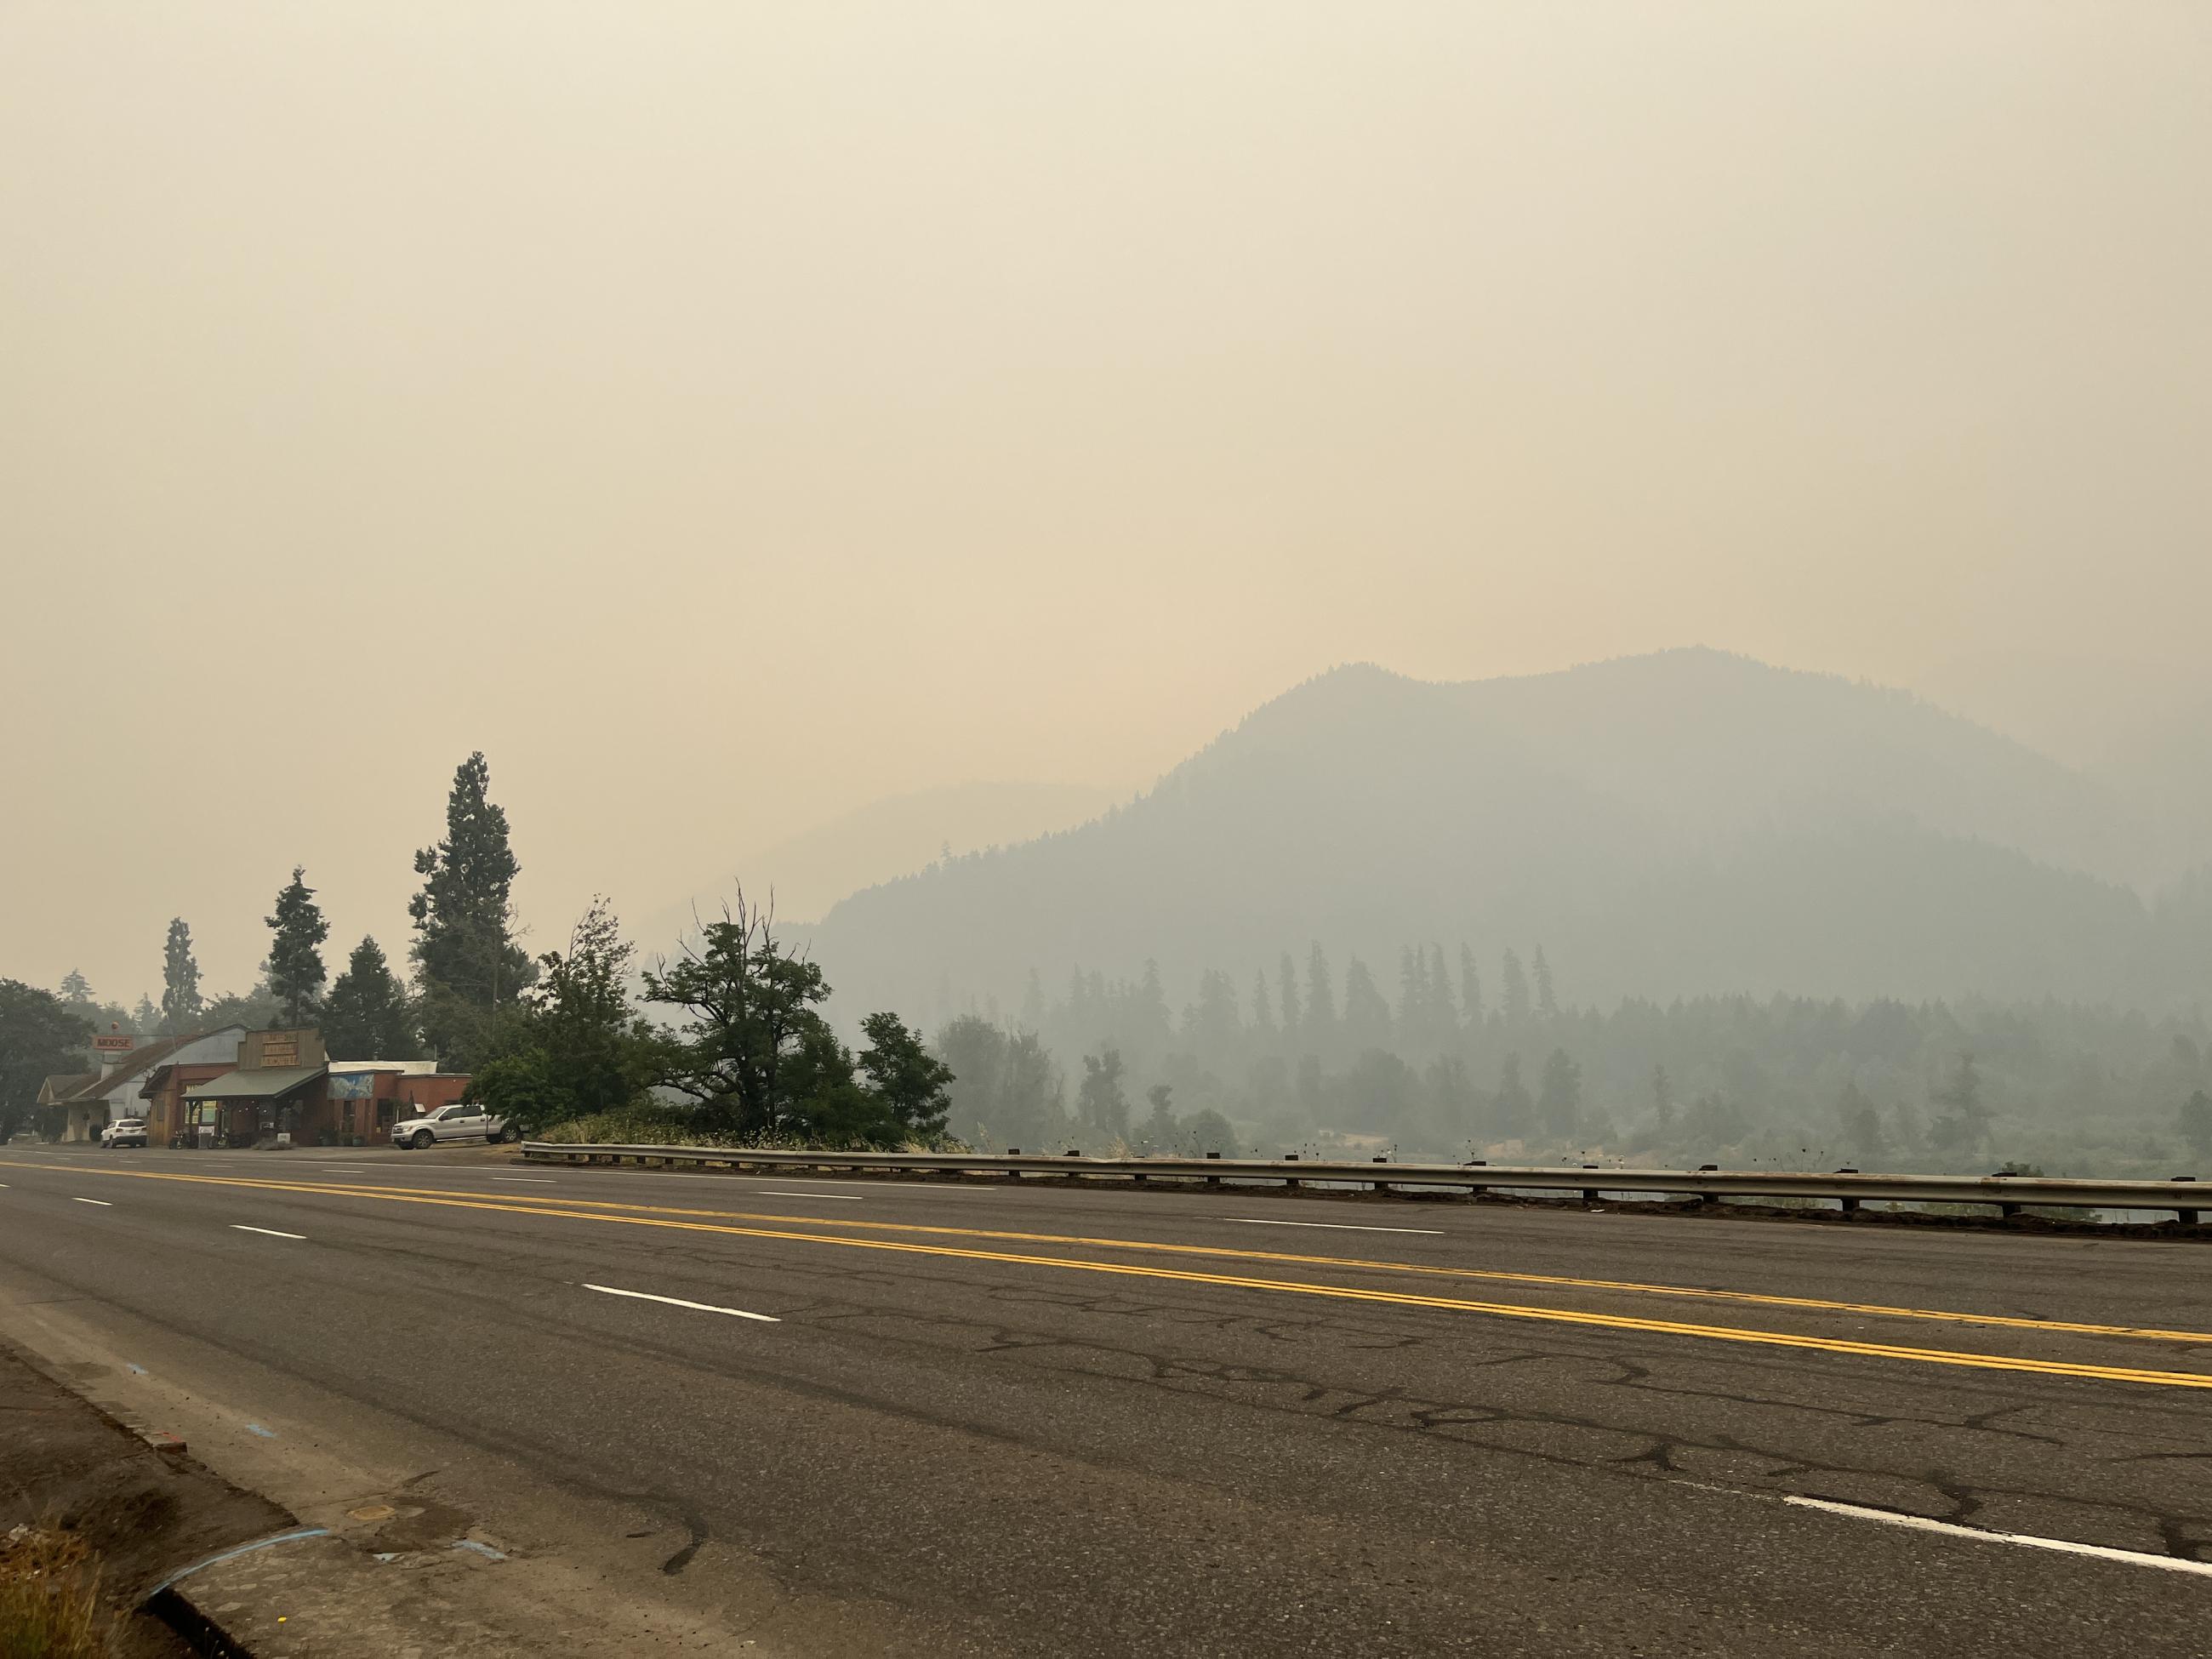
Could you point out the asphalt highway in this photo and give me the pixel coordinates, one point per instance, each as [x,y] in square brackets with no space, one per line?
[815,1416]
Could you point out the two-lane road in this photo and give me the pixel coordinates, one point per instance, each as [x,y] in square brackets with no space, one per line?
[850,1416]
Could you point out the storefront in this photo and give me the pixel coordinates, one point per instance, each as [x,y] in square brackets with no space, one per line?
[257,1106]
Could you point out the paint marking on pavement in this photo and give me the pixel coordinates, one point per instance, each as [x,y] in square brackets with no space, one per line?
[678,1302]
[1334,1227]
[652,1216]
[102,1202]
[268,1232]
[534,1181]
[2029,1540]
[827,1197]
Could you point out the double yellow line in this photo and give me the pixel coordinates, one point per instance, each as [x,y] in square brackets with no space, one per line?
[722,1223]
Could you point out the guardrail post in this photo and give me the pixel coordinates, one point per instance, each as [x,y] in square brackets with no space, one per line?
[1708,1198]
[1291,1185]
[1589,1194]
[1382,1186]
[1850,1204]
[1213,1180]
[2188,1217]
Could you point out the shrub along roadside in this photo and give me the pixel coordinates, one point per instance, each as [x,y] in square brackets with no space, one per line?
[755,1057]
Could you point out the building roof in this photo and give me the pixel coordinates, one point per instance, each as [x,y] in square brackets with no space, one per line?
[142,1060]
[258,1083]
[162,1073]
[62,1084]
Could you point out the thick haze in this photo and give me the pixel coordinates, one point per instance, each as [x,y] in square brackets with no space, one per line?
[726,416]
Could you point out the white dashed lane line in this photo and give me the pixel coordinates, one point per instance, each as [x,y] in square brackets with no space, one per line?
[267,1232]
[1333,1226]
[1980,1535]
[102,1202]
[832,1198]
[678,1302]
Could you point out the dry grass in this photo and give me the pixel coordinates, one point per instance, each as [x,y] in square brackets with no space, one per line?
[49,1597]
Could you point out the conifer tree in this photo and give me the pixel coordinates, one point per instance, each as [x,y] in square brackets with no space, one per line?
[367,1016]
[1514,983]
[182,1003]
[465,955]
[1321,998]
[295,957]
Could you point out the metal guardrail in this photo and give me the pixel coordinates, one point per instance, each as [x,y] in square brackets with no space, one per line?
[1849,1188]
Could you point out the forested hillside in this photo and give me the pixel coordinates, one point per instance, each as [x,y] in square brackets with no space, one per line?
[1684,824]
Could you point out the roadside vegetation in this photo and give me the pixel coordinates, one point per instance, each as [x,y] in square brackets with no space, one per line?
[50,1597]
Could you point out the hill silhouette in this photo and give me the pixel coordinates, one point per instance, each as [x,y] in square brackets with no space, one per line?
[1679,824]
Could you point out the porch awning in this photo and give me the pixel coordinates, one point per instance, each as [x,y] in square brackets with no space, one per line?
[264,1083]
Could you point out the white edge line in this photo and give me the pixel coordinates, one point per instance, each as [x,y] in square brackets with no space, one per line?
[1952,1530]
[1333,1226]
[838,1198]
[535,1181]
[678,1302]
[240,1226]
[102,1202]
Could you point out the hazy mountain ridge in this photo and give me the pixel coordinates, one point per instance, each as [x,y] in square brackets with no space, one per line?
[1682,822]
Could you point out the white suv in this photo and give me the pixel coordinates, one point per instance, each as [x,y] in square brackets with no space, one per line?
[450,1123]
[124,1132]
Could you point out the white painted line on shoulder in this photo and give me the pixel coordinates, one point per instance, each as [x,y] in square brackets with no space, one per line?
[534,1181]
[2029,1540]
[268,1232]
[1333,1226]
[832,1198]
[102,1202]
[678,1302]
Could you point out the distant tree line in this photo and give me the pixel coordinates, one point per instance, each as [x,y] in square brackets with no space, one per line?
[1470,1060]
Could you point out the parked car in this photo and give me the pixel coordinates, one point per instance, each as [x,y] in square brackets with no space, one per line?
[465,1122]
[124,1132]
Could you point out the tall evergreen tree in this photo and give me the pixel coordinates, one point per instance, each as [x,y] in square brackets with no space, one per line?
[1321,996]
[1103,1107]
[1560,1104]
[1514,991]
[1470,989]
[145,1016]
[182,1003]
[1548,1004]
[1443,1012]
[1366,1016]
[367,1016]
[295,957]
[1963,1125]
[1515,1109]
[1161,1131]
[1263,1011]
[465,951]
[1662,1098]
[1286,989]
[76,990]
[1860,1124]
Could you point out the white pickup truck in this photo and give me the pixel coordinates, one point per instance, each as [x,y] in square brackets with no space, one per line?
[450,1124]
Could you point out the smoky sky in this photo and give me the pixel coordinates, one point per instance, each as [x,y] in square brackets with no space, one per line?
[725,414]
